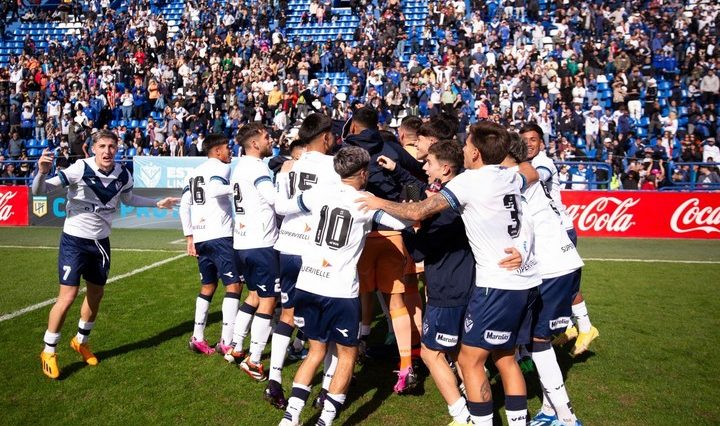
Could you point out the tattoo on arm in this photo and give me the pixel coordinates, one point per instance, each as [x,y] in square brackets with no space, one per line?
[416,211]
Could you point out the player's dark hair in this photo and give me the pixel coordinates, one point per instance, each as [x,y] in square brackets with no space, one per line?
[350,160]
[295,144]
[247,131]
[105,134]
[214,139]
[411,124]
[313,126]
[491,140]
[532,127]
[518,148]
[436,128]
[366,117]
[448,151]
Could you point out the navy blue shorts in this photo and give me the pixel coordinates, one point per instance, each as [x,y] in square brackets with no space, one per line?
[554,305]
[328,319]
[216,257]
[442,327]
[82,257]
[498,319]
[262,269]
[289,269]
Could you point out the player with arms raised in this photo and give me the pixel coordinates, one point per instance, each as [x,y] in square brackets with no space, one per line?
[96,186]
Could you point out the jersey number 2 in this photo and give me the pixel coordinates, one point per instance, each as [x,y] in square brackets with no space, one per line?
[335,229]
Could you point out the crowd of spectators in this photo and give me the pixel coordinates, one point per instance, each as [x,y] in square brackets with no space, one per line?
[631,84]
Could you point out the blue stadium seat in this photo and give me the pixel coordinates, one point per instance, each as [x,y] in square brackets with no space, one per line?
[131,152]
[134,124]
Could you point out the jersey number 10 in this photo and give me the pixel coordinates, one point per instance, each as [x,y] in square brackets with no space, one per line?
[333,228]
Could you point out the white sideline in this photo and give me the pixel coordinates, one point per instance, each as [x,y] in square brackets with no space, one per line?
[114,249]
[37,306]
[704,262]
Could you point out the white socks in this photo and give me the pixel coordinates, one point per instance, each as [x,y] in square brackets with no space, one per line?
[459,412]
[229,312]
[259,333]
[202,306]
[582,318]
[242,324]
[552,381]
[331,407]
[51,340]
[278,348]
[84,329]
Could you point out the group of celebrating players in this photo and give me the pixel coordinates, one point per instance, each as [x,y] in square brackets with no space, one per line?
[501,269]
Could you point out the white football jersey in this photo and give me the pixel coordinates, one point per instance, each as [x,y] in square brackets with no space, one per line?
[311,169]
[92,197]
[253,201]
[338,232]
[542,161]
[555,253]
[205,206]
[488,200]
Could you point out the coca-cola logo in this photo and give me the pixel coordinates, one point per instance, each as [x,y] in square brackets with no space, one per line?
[6,210]
[689,217]
[607,214]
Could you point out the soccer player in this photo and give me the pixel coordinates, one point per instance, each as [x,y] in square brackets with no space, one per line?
[327,306]
[558,261]
[382,264]
[206,216]
[255,234]
[96,186]
[584,331]
[487,197]
[313,167]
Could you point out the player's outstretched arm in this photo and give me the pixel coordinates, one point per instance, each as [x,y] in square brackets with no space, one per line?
[408,211]
[42,185]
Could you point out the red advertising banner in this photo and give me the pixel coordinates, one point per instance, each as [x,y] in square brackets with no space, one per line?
[644,214]
[14,205]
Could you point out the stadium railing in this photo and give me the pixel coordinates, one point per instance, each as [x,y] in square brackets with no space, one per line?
[591,173]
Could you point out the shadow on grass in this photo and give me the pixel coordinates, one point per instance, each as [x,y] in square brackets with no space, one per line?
[150,342]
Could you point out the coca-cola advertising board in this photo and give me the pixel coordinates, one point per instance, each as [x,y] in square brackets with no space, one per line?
[644,214]
[13,205]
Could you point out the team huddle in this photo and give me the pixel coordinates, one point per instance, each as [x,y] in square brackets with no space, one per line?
[481,224]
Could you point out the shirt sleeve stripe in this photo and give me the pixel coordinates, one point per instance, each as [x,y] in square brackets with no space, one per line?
[63,179]
[221,179]
[549,172]
[186,189]
[262,179]
[451,198]
[524,182]
[378,214]
[302,205]
[128,189]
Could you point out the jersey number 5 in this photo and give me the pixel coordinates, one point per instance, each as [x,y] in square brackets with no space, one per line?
[305,181]
[335,229]
[510,202]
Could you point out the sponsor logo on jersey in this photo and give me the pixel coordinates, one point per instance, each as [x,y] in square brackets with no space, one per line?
[561,322]
[294,235]
[39,206]
[284,297]
[446,340]
[568,247]
[315,271]
[325,263]
[426,328]
[307,228]
[495,337]
[299,321]
[689,216]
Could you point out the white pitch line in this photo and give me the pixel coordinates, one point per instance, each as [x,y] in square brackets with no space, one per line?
[703,262]
[37,306]
[112,249]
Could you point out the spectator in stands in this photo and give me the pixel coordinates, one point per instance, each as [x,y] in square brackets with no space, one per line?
[710,151]
[707,177]
[8,175]
[15,146]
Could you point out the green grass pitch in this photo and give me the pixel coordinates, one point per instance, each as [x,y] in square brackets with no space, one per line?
[654,364]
